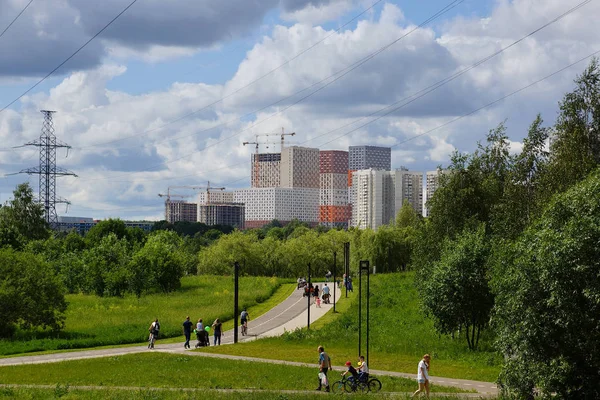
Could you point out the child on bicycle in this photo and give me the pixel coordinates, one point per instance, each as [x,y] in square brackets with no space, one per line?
[351,370]
[363,369]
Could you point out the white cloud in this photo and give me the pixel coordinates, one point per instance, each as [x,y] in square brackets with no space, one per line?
[126,175]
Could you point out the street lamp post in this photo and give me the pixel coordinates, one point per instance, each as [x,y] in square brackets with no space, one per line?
[308,302]
[334,283]
[364,266]
[236,268]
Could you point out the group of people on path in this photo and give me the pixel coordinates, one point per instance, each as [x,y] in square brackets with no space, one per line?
[201,331]
[361,374]
[358,375]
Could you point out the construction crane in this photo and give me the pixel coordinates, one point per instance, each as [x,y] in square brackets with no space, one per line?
[283,134]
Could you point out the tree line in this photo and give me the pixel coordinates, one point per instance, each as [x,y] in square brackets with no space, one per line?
[512,245]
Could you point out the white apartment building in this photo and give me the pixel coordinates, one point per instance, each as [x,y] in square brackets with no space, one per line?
[379,195]
[408,188]
[284,204]
[300,167]
[432,183]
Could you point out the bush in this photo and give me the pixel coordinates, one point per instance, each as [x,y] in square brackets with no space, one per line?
[31,295]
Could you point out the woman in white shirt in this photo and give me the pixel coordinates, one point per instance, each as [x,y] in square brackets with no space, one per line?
[423,376]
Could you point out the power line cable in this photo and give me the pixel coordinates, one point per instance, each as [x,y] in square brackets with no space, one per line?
[346,70]
[424,92]
[70,57]
[498,100]
[16,18]
[596,53]
[243,87]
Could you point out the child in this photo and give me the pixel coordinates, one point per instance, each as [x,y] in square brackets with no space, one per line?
[363,369]
[351,370]
[318,300]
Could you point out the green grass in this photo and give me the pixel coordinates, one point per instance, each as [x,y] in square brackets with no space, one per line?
[400,334]
[161,370]
[107,321]
[66,393]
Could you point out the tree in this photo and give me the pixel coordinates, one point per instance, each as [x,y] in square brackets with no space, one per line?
[106,271]
[407,217]
[31,295]
[159,264]
[25,215]
[105,228]
[576,147]
[457,294]
[547,312]
[523,195]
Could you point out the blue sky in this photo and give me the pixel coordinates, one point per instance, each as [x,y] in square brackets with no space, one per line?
[164,59]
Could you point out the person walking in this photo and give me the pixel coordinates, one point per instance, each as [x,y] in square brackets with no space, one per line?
[217,325]
[325,294]
[244,318]
[316,292]
[423,376]
[324,366]
[199,333]
[154,329]
[187,332]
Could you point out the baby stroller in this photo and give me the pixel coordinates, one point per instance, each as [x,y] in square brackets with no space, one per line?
[202,337]
[326,298]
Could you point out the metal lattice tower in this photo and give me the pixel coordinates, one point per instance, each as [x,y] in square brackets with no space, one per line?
[47,170]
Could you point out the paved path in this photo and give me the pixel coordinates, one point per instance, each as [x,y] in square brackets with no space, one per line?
[288,315]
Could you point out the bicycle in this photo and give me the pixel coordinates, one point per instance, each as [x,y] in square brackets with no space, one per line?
[245,328]
[152,339]
[347,385]
[374,385]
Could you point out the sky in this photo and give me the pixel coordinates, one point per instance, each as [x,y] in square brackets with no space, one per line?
[167,93]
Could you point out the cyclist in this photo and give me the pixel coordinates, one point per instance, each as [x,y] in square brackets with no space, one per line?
[154,329]
[363,369]
[351,370]
[244,318]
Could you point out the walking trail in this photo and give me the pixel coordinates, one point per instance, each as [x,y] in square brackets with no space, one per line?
[289,315]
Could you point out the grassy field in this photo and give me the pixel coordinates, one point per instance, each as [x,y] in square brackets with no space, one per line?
[99,321]
[161,370]
[400,334]
[66,393]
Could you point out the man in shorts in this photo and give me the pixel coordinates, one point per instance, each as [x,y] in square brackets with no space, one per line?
[244,318]
[324,366]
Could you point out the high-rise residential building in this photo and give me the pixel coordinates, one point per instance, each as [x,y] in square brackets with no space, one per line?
[373,203]
[379,195]
[432,183]
[300,167]
[408,188]
[363,158]
[334,210]
[266,170]
[179,210]
[232,214]
[284,204]
[369,157]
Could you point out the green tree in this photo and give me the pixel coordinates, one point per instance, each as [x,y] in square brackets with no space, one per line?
[407,217]
[106,265]
[25,215]
[547,312]
[576,147]
[457,294]
[523,195]
[159,264]
[105,228]
[31,295]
